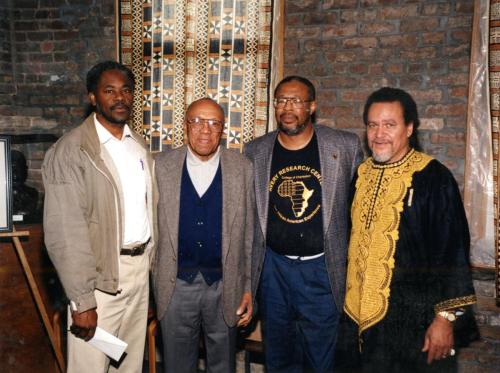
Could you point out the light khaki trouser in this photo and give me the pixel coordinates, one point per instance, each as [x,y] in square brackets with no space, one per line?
[124,315]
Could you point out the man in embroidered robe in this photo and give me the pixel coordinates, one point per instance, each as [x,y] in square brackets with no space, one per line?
[202,274]
[302,177]
[408,276]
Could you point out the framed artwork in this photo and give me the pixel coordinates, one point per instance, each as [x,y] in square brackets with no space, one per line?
[5,186]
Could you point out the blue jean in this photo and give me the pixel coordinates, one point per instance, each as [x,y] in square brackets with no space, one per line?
[299,316]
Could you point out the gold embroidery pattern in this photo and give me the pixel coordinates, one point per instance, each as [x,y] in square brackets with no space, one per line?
[450,304]
[376,212]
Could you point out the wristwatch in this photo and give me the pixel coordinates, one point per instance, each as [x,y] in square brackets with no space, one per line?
[448,315]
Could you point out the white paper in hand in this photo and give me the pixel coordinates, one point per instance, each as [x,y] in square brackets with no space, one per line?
[108,343]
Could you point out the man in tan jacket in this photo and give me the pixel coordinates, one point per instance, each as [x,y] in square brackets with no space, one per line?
[99,228]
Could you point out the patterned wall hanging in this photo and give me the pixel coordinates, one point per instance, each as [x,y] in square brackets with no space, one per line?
[482,161]
[494,83]
[183,50]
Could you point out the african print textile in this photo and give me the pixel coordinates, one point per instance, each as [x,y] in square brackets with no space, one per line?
[182,50]
[482,157]
[494,80]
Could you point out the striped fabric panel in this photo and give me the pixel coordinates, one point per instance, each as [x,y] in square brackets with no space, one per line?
[182,50]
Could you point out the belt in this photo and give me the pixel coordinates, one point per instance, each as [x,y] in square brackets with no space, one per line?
[135,251]
[294,257]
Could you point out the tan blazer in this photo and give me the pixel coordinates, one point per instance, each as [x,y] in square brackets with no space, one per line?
[237,228]
[83,215]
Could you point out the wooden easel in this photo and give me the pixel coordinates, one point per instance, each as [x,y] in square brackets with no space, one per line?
[36,293]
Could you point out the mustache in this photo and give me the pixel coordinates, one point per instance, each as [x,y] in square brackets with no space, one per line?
[120,105]
[288,114]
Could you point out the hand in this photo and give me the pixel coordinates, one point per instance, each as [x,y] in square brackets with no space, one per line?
[151,312]
[438,339]
[245,310]
[151,307]
[84,324]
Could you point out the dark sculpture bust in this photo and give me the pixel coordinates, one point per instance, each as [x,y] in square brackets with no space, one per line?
[25,198]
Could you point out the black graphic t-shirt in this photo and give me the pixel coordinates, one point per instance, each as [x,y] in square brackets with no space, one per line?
[295,223]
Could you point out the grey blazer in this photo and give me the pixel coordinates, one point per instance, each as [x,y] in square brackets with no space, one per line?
[237,228]
[339,153]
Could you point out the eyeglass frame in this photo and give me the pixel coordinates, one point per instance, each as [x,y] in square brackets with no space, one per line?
[198,123]
[292,100]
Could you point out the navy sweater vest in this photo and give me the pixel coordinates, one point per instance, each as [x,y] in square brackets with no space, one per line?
[200,230]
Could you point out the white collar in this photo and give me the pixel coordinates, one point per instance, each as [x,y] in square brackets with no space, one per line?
[194,161]
[104,135]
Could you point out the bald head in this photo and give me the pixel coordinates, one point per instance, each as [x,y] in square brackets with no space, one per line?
[205,104]
[204,126]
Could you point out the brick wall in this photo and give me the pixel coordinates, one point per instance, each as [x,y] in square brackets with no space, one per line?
[55,42]
[349,48]
[6,74]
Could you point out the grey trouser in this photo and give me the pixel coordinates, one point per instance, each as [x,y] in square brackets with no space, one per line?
[194,306]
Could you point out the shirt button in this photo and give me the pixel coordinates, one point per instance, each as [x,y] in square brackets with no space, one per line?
[172,280]
[200,244]
[199,223]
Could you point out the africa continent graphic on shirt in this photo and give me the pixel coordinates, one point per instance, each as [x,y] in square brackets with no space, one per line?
[298,194]
[296,185]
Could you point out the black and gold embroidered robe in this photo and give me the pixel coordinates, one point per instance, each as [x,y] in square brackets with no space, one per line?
[408,257]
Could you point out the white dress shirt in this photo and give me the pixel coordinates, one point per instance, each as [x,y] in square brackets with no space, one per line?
[127,156]
[202,173]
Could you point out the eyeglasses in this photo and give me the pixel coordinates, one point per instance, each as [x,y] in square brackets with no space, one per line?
[197,124]
[297,103]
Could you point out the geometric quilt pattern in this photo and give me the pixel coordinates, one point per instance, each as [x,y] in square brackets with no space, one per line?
[180,51]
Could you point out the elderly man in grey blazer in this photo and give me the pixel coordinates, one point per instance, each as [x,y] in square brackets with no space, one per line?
[202,276]
[302,177]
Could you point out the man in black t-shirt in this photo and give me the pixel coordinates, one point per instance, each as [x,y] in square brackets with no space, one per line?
[302,176]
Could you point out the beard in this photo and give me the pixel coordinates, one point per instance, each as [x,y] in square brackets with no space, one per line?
[295,130]
[382,157]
